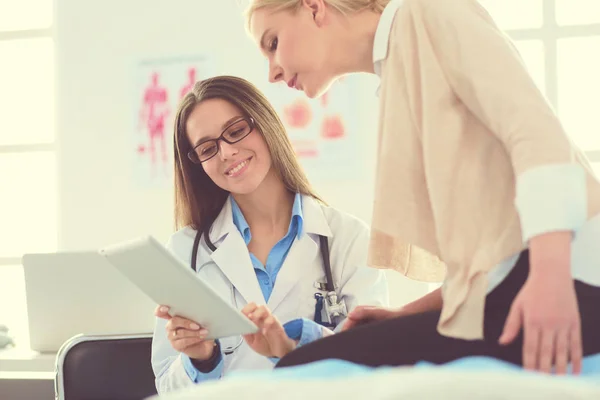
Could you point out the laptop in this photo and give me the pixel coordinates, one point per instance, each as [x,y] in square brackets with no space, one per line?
[71,293]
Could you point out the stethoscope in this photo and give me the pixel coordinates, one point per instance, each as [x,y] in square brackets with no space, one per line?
[329,308]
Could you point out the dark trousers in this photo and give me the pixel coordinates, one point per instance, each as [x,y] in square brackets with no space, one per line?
[407,340]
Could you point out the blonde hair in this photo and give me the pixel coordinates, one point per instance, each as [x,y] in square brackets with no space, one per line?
[198,200]
[345,7]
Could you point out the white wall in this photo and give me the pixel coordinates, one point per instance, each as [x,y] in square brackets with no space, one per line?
[97,44]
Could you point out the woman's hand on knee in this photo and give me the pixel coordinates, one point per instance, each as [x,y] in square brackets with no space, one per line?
[270,340]
[366,314]
[547,313]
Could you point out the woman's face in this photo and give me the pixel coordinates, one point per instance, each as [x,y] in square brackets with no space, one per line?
[238,168]
[296,46]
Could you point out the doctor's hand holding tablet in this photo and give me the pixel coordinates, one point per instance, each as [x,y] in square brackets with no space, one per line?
[187,336]
[196,314]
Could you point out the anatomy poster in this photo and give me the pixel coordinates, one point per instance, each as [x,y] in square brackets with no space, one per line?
[159,86]
[323,131]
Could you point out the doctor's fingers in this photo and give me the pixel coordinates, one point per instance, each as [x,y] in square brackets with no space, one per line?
[182,333]
[162,312]
[279,342]
[183,344]
[259,315]
[271,326]
[249,308]
[180,322]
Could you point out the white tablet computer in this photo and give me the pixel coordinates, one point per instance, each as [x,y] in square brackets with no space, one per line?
[168,281]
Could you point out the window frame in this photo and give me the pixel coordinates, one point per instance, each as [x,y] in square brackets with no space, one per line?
[51,146]
[550,33]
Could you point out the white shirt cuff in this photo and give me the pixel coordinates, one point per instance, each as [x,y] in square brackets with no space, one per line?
[551,198]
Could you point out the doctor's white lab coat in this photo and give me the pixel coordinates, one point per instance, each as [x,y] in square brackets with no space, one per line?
[230,272]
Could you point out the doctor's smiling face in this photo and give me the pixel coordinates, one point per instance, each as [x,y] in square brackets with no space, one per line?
[228,146]
[229,139]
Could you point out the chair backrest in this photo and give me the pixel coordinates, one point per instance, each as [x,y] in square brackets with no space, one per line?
[105,367]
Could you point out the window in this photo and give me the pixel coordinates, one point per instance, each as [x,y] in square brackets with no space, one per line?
[21,15]
[596,167]
[533,52]
[577,12]
[516,14]
[28,205]
[26,72]
[579,89]
[558,40]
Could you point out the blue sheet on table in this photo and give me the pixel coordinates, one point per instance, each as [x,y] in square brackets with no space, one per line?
[328,369]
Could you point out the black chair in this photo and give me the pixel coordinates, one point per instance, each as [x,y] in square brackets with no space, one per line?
[105,368]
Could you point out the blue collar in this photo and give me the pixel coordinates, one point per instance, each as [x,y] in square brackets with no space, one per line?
[296,222]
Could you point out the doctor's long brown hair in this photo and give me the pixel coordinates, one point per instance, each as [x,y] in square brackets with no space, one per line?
[198,200]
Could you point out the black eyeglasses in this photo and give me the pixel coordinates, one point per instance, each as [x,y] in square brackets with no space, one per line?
[234,132]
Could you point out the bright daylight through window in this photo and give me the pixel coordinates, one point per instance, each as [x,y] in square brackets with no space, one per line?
[28,205]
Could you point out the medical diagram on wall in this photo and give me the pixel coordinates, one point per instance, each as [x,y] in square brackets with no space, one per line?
[323,131]
[160,84]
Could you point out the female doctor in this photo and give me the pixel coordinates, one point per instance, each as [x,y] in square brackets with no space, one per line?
[253,228]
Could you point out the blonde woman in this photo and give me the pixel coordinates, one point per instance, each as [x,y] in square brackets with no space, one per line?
[477,183]
[253,228]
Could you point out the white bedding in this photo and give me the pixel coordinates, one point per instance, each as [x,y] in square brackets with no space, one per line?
[399,383]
